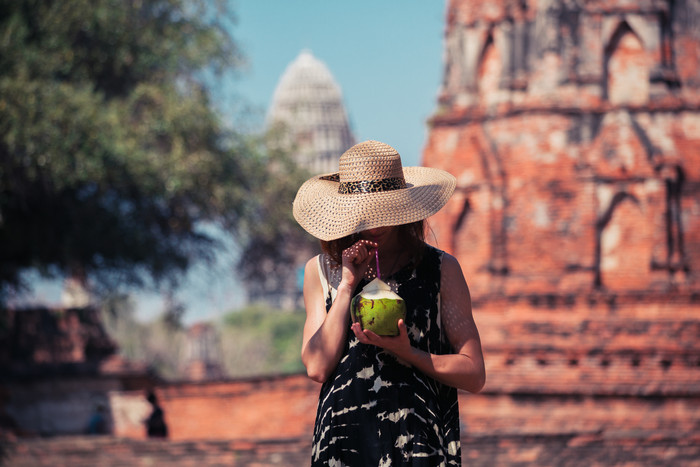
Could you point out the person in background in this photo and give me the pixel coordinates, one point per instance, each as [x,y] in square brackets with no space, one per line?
[155,423]
[97,424]
[385,400]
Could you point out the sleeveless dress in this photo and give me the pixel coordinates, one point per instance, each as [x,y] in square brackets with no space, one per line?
[375,410]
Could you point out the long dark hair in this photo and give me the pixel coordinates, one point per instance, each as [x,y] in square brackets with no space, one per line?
[412,236]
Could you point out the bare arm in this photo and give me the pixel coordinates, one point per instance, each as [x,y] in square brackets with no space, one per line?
[463,369]
[325,332]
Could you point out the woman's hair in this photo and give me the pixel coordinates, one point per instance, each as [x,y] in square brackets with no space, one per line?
[412,236]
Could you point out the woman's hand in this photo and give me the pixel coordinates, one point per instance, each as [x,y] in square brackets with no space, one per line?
[356,260]
[325,332]
[398,345]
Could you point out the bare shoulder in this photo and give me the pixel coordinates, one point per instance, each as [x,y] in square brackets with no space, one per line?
[313,290]
[312,262]
[311,268]
[453,283]
[450,265]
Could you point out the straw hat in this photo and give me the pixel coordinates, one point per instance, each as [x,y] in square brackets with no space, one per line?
[370,190]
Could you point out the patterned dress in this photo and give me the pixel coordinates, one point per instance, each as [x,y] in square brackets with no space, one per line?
[377,411]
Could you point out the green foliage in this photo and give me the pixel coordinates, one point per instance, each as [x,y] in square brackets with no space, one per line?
[111,153]
[252,341]
[157,343]
[272,238]
[258,340]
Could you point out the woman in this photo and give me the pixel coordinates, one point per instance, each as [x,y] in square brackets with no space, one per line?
[385,400]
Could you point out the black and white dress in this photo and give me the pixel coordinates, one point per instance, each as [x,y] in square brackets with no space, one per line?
[377,411]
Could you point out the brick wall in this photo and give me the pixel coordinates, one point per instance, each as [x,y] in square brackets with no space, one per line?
[551,431]
[261,408]
[106,451]
[596,344]
[257,408]
[541,450]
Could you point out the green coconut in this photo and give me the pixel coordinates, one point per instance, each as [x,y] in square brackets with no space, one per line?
[378,309]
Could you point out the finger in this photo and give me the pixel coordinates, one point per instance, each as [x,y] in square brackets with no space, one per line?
[357,250]
[403,330]
[371,247]
[372,336]
[365,247]
[361,252]
[361,336]
[357,329]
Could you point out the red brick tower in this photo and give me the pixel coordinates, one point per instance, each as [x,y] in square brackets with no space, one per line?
[573,128]
[574,131]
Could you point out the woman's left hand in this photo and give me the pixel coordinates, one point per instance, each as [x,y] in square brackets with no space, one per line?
[398,345]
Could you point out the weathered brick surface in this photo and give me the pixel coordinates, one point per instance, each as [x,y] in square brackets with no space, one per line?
[576,450]
[41,336]
[573,129]
[56,367]
[115,452]
[256,408]
[268,421]
[265,408]
[592,344]
[590,449]
[574,133]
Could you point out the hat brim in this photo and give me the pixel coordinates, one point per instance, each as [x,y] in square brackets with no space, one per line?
[329,215]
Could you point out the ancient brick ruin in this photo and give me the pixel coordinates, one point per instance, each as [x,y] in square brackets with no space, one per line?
[573,129]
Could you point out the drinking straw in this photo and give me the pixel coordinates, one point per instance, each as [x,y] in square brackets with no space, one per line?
[376,256]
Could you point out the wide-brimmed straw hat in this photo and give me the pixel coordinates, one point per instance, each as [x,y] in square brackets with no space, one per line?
[370,190]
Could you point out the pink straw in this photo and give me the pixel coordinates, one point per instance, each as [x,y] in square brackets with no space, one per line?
[376,255]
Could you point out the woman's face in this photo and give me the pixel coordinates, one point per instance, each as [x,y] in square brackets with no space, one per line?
[381,235]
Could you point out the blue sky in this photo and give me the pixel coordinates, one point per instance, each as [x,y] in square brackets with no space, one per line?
[386,55]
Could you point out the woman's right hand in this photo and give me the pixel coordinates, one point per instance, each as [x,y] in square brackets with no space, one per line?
[325,332]
[356,260]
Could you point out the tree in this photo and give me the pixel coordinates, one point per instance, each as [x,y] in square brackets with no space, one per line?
[274,245]
[111,154]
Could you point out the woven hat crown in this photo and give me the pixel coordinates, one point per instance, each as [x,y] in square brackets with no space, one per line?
[371,189]
[370,161]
